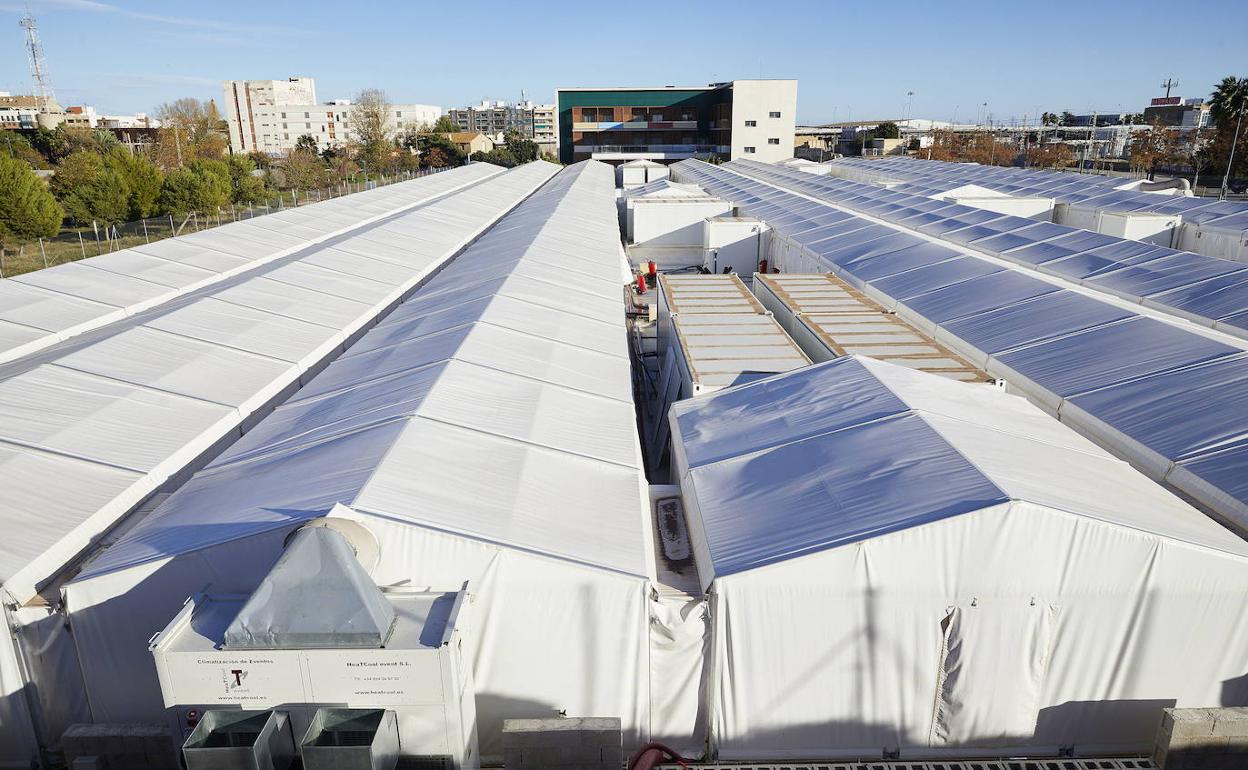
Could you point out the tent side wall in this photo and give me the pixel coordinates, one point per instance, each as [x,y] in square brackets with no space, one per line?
[539,625]
[549,635]
[1014,628]
[18,744]
[114,614]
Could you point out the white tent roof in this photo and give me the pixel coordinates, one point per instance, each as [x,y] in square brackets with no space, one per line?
[39,309]
[90,427]
[856,448]
[471,410]
[666,188]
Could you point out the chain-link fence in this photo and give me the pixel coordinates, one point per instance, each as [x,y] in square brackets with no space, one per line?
[73,243]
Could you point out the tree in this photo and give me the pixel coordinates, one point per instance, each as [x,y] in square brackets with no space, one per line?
[437,151]
[245,186]
[1067,119]
[499,156]
[371,127]
[1228,106]
[91,191]
[971,147]
[27,209]
[202,185]
[307,143]
[15,145]
[341,166]
[444,125]
[303,170]
[521,149]
[1156,147]
[1049,119]
[1228,101]
[143,180]
[1051,155]
[189,129]
[887,130]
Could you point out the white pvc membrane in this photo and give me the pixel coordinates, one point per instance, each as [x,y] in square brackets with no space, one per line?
[92,427]
[485,432]
[47,306]
[1090,363]
[899,561]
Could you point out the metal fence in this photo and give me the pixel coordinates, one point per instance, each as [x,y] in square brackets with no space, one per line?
[73,243]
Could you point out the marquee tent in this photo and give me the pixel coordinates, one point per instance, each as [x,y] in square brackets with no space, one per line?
[483,432]
[900,561]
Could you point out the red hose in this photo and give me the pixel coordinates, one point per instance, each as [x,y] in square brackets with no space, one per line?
[652,754]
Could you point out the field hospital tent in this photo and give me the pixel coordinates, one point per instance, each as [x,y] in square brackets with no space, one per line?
[899,561]
[93,427]
[483,432]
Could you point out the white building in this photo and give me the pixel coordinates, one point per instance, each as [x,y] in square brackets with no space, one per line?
[533,121]
[764,116]
[271,115]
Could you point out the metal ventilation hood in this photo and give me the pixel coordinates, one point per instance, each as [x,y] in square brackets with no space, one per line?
[317,595]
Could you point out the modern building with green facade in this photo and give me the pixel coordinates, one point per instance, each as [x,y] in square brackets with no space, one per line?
[741,118]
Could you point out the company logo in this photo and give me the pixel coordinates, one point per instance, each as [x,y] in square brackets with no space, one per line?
[233,678]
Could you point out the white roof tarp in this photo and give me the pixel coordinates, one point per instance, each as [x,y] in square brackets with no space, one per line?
[940,566]
[143,399]
[71,298]
[482,437]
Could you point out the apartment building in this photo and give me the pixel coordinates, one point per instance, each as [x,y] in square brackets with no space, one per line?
[739,119]
[270,116]
[532,121]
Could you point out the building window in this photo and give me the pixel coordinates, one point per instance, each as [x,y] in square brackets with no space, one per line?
[773,114]
[306,115]
[283,116]
[751,123]
[307,125]
[285,126]
[284,136]
[749,149]
[773,141]
[398,114]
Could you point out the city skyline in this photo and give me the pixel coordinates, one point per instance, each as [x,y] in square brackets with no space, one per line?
[853,63]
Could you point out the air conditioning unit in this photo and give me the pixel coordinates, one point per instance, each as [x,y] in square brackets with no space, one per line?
[318,633]
[240,740]
[351,739]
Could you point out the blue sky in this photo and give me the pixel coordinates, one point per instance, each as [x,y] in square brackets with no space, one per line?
[854,60]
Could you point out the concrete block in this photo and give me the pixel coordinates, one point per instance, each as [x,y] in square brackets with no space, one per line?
[1231,722]
[591,743]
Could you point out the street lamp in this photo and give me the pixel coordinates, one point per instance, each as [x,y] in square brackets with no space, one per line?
[1226,178]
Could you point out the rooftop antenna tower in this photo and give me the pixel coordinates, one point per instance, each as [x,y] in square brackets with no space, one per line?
[38,65]
[1170,83]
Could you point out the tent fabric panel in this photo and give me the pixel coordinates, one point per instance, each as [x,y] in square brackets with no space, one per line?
[1110,354]
[832,489]
[1181,413]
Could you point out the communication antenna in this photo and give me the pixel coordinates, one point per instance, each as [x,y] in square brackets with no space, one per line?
[38,66]
[1170,83]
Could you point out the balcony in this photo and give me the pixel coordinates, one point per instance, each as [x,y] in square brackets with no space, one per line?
[638,125]
[648,151]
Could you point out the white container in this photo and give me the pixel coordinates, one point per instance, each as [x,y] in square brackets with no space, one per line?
[1140,226]
[1210,240]
[672,221]
[421,674]
[694,293]
[716,351]
[1032,207]
[733,242]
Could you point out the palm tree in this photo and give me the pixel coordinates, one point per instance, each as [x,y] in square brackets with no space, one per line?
[1229,100]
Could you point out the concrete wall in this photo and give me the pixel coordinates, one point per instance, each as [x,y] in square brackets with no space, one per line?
[755,100]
